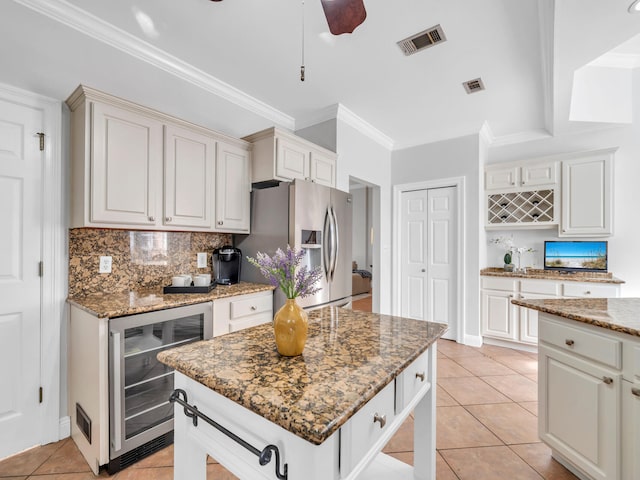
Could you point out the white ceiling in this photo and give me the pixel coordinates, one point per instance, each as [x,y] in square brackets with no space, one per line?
[234,65]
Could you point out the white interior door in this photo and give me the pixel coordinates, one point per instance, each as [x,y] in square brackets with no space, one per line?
[20,284]
[428,256]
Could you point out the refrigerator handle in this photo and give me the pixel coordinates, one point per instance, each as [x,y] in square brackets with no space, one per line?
[326,245]
[336,243]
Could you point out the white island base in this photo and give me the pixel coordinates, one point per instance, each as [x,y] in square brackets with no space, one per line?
[351,452]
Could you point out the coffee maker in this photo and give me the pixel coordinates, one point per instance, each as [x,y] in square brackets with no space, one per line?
[226,265]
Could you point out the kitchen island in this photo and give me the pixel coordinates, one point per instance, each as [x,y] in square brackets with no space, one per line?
[589,384]
[327,413]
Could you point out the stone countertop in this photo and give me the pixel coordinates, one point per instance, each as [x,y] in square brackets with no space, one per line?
[619,314]
[349,357]
[534,273]
[113,305]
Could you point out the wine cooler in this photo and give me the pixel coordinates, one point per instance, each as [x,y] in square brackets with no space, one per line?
[141,417]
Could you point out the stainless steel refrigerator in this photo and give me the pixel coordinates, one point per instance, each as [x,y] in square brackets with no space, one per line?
[306,216]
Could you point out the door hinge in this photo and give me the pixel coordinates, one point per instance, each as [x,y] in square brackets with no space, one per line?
[41,268]
[41,135]
[41,394]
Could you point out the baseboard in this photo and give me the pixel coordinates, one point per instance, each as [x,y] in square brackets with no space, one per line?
[512,345]
[64,428]
[473,340]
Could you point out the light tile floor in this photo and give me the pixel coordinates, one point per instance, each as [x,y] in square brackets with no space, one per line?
[486,428]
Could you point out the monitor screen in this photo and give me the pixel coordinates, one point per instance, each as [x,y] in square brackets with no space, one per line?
[574,256]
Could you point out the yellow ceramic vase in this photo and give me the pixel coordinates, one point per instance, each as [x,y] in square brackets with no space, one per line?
[290,327]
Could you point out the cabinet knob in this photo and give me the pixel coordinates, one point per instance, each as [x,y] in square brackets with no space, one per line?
[220,222]
[420,375]
[152,219]
[513,183]
[607,380]
[167,219]
[522,183]
[253,307]
[569,342]
[380,419]
[588,292]
[423,270]
[636,391]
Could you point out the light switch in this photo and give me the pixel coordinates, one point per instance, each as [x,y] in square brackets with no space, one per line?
[202,260]
[105,265]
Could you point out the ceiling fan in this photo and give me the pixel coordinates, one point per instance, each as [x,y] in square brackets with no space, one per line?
[343,16]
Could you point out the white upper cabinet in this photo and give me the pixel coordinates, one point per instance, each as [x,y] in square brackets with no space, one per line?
[587,190]
[188,175]
[323,169]
[125,165]
[279,155]
[233,195]
[127,173]
[521,176]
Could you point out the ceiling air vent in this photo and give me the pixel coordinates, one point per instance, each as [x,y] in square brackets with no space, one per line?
[422,40]
[473,86]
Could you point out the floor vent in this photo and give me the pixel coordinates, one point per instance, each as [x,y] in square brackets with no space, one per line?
[422,40]
[143,451]
[473,86]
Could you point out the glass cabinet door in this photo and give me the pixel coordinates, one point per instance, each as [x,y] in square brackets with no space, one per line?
[141,385]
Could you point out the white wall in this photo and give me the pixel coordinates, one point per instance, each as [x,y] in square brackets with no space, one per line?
[362,158]
[624,259]
[459,157]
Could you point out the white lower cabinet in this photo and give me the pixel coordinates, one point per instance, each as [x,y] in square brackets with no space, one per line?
[589,398]
[243,311]
[501,320]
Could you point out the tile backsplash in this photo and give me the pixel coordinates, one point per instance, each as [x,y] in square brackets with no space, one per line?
[140,259]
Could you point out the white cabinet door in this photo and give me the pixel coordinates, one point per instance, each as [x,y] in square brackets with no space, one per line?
[539,174]
[501,178]
[323,169]
[587,196]
[580,411]
[232,198]
[292,159]
[529,320]
[630,429]
[126,167]
[499,315]
[188,171]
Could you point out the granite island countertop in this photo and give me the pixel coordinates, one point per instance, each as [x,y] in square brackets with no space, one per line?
[113,305]
[349,357]
[539,274]
[619,314]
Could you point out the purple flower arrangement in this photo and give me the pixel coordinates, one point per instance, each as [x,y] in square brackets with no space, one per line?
[281,272]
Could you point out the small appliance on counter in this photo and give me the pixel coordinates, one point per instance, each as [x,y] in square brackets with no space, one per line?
[226,265]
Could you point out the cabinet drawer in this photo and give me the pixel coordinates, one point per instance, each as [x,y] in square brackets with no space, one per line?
[540,287]
[499,283]
[250,306]
[361,432]
[411,380]
[605,350]
[589,290]
[250,321]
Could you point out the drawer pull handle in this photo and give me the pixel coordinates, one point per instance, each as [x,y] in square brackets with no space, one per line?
[253,307]
[588,292]
[381,419]
[220,222]
[636,391]
[607,380]
[420,375]
[569,342]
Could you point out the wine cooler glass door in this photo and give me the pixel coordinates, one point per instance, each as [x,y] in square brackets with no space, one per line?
[140,385]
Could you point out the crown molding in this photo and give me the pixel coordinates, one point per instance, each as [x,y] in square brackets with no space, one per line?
[347,116]
[319,116]
[96,28]
[520,137]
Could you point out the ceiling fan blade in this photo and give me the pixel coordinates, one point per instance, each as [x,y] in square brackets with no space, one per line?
[343,16]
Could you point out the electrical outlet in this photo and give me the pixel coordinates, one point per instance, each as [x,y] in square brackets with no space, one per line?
[202,260]
[105,265]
